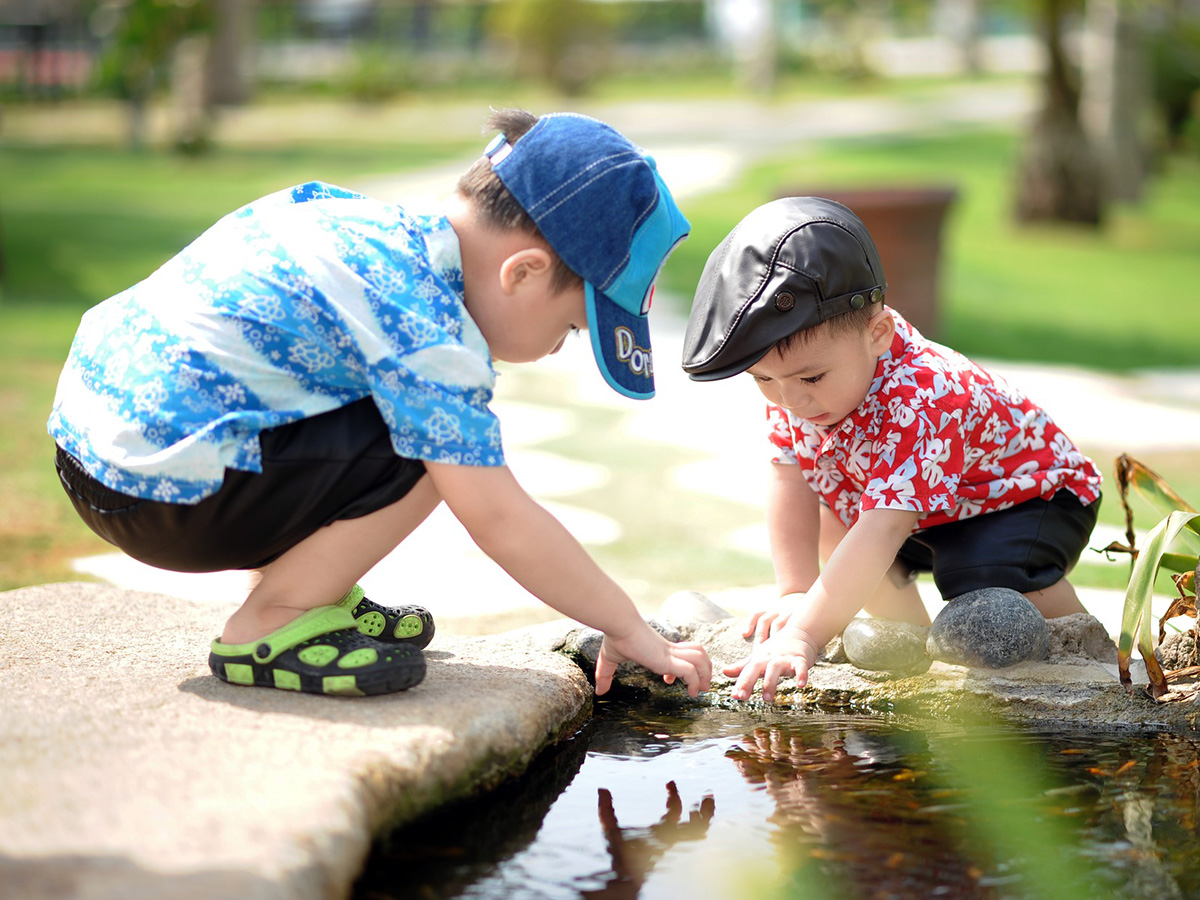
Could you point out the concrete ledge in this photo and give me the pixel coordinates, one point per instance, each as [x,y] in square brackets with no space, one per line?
[129,771]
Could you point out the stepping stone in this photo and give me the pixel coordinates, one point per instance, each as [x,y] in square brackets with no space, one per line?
[881,645]
[990,628]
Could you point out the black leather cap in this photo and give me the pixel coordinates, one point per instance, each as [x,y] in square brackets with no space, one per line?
[790,264]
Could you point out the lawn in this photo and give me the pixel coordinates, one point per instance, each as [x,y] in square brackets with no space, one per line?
[81,222]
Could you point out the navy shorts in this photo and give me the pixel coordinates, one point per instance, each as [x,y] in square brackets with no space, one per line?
[1027,547]
[338,465]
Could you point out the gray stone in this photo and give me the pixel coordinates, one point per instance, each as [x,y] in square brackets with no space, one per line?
[689,608]
[1177,651]
[129,771]
[881,645]
[582,645]
[990,628]
[1080,635]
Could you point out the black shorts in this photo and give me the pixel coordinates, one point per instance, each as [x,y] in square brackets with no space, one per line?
[338,465]
[1027,547]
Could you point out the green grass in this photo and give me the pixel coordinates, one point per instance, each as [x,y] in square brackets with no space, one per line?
[1111,299]
[80,223]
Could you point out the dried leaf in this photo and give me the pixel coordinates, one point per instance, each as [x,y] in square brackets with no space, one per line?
[1185,672]
[1118,547]
[1183,605]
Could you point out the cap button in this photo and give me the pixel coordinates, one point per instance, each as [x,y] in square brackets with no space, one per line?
[858,301]
[876,295]
[784,301]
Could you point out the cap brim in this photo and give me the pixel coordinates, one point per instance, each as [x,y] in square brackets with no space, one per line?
[621,344]
[727,371]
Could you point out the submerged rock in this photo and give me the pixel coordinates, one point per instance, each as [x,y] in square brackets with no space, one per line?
[990,628]
[881,645]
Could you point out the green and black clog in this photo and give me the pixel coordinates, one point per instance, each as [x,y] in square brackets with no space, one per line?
[411,625]
[320,652]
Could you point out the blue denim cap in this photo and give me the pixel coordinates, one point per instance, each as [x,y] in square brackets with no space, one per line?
[601,204]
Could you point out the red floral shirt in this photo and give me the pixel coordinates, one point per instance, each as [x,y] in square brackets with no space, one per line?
[936,435]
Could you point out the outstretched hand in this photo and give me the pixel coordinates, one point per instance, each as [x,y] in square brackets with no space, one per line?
[786,652]
[687,661]
[763,623]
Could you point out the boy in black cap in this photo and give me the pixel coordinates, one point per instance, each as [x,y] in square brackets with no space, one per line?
[892,454]
[298,389]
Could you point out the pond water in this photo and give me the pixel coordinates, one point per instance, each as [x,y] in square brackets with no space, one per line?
[669,803]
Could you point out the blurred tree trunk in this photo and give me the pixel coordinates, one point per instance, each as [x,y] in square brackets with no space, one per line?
[191,109]
[1116,95]
[232,44]
[962,23]
[1059,177]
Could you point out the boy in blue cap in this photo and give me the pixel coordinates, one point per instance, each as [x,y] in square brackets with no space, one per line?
[891,454]
[300,387]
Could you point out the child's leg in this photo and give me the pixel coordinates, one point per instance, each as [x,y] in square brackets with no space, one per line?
[324,566]
[896,598]
[1057,600]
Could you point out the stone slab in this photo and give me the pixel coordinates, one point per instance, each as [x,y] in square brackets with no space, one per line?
[130,772]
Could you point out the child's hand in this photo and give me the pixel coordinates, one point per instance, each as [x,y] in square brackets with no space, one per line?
[786,652]
[685,660]
[763,623]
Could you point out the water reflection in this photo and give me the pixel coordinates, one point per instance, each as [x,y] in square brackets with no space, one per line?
[634,850]
[816,805]
[853,819]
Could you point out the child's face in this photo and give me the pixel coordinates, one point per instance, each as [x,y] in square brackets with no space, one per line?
[537,323]
[826,377]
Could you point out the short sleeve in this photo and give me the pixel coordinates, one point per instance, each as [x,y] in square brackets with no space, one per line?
[437,422]
[779,434]
[917,460]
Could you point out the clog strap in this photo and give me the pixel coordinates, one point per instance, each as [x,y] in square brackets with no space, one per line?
[309,625]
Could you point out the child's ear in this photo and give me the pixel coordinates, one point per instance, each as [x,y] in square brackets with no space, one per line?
[524,266]
[882,328]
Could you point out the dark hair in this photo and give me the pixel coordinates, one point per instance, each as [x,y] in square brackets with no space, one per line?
[854,320]
[492,200]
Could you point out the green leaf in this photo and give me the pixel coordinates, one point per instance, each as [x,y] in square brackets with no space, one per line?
[1136,615]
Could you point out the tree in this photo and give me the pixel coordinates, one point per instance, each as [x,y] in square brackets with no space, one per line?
[1060,178]
[1115,95]
[144,37]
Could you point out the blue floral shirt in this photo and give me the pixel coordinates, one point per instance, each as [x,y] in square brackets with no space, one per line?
[297,304]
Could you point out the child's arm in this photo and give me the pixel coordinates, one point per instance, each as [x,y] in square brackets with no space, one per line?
[794,528]
[848,581]
[531,545]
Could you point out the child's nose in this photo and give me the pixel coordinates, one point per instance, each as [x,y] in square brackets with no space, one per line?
[794,396]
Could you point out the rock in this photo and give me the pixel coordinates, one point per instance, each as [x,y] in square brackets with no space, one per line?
[690,608]
[1177,651]
[130,771]
[582,645]
[834,652]
[881,645]
[1080,635]
[989,628]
